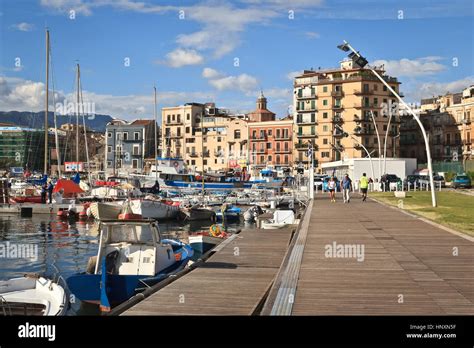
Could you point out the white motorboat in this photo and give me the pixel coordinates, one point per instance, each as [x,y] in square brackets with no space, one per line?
[33,296]
[154,209]
[195,213]
[105,210]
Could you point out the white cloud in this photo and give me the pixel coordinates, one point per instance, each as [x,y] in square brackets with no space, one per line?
[434,89]
[312,35]
[412,67]
[243,82]
[24,95]
[181,57]
[209,73]
[292,74]
[23,26]
[64,6]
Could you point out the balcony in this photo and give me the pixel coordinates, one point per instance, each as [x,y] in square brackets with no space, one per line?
[363,131]
[261,151]
[206,154]
[303,121]
[193,154]
[303,97]
[174,123]
[302,146]
[283,137]
[309,109]
[337,119]
[338,107]
[364,92]
[282,151]
[337,93]
[463,121]
[259,138]
[367,106]
[308,135]
[337,134]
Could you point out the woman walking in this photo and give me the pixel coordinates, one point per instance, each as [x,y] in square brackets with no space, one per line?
[332,189]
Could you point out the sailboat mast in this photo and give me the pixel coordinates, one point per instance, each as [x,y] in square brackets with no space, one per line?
[202,150]
[46,106]
[77,114]
[156,135]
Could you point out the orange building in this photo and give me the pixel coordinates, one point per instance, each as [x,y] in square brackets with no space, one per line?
[270,139]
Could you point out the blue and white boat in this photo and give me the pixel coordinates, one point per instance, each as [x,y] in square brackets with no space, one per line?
[171,174]
[131,257]
[229,213]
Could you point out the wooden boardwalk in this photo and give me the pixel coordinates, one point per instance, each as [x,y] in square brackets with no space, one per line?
[233,281]
[410,267]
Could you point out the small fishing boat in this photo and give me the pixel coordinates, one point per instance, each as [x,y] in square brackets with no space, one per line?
[131,257]
[281,219]
[228,212]
[105,210]
[32,295]
[202,242]
[152,208]
[196,212]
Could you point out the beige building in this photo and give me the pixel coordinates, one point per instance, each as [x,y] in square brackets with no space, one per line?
[447,121]
[204,136]
[330,99]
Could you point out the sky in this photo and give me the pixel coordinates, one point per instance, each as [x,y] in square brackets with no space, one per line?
[223,51]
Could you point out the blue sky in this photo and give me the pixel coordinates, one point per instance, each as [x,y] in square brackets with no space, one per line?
[192,58]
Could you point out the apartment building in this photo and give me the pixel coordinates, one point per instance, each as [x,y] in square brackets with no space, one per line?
[447,121]
[331,102]
[206,137]
[127,145]
[270,139]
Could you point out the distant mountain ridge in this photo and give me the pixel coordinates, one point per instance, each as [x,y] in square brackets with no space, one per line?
[36,119]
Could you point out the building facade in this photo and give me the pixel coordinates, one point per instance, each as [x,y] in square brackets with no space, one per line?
[329,103]
[206,137]
[127,145]
[447,121]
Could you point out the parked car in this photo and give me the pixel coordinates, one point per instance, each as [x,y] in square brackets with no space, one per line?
[325,184]
[425,180]
[412,180]
[388,179]
[461,180]
[439,179]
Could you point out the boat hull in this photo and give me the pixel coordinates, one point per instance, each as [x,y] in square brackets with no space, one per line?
[150,209]
[203,243]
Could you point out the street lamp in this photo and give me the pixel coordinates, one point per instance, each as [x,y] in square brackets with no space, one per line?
[311,169]
[361,61]
[345,135]
[378,141]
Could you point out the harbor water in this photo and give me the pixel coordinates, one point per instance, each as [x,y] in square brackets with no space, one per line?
[62,249]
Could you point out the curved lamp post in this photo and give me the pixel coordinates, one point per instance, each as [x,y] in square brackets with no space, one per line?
[361,61]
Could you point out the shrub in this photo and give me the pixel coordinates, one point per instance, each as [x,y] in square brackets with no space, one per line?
[449,176]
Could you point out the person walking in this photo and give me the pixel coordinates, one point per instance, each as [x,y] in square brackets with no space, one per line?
[346,188]
[364,185]
[332,189]
[50,192]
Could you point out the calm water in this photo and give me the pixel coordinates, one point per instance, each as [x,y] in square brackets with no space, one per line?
[65,249]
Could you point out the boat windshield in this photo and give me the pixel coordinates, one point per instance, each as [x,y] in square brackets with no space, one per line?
[135,234]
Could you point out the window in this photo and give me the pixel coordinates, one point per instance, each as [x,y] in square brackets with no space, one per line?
[278,159]
[384,127]
[237,134]
[325,102]
[313,91]
[187,129]
[270,132]
[109,149]
[109,163]
[134,163]
[325,89]
[366,102]
[385,88]
[365,87]
[325,115]
[188,117]
[168,119]
[219,139]
[278,146]
[376,114]
[109,134]
[376,101]
[178,118]
[136,150]
[118,136]
[269,145]
[269,158]
[173,117]
[136,135]
[262,159]
[193,162]
[278,133]
[286,159]
[178,133]
[376,87]
[313,104]
[205,162]
[313,117]
[325,128]
[325,141]
[254,134]
[125,135]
